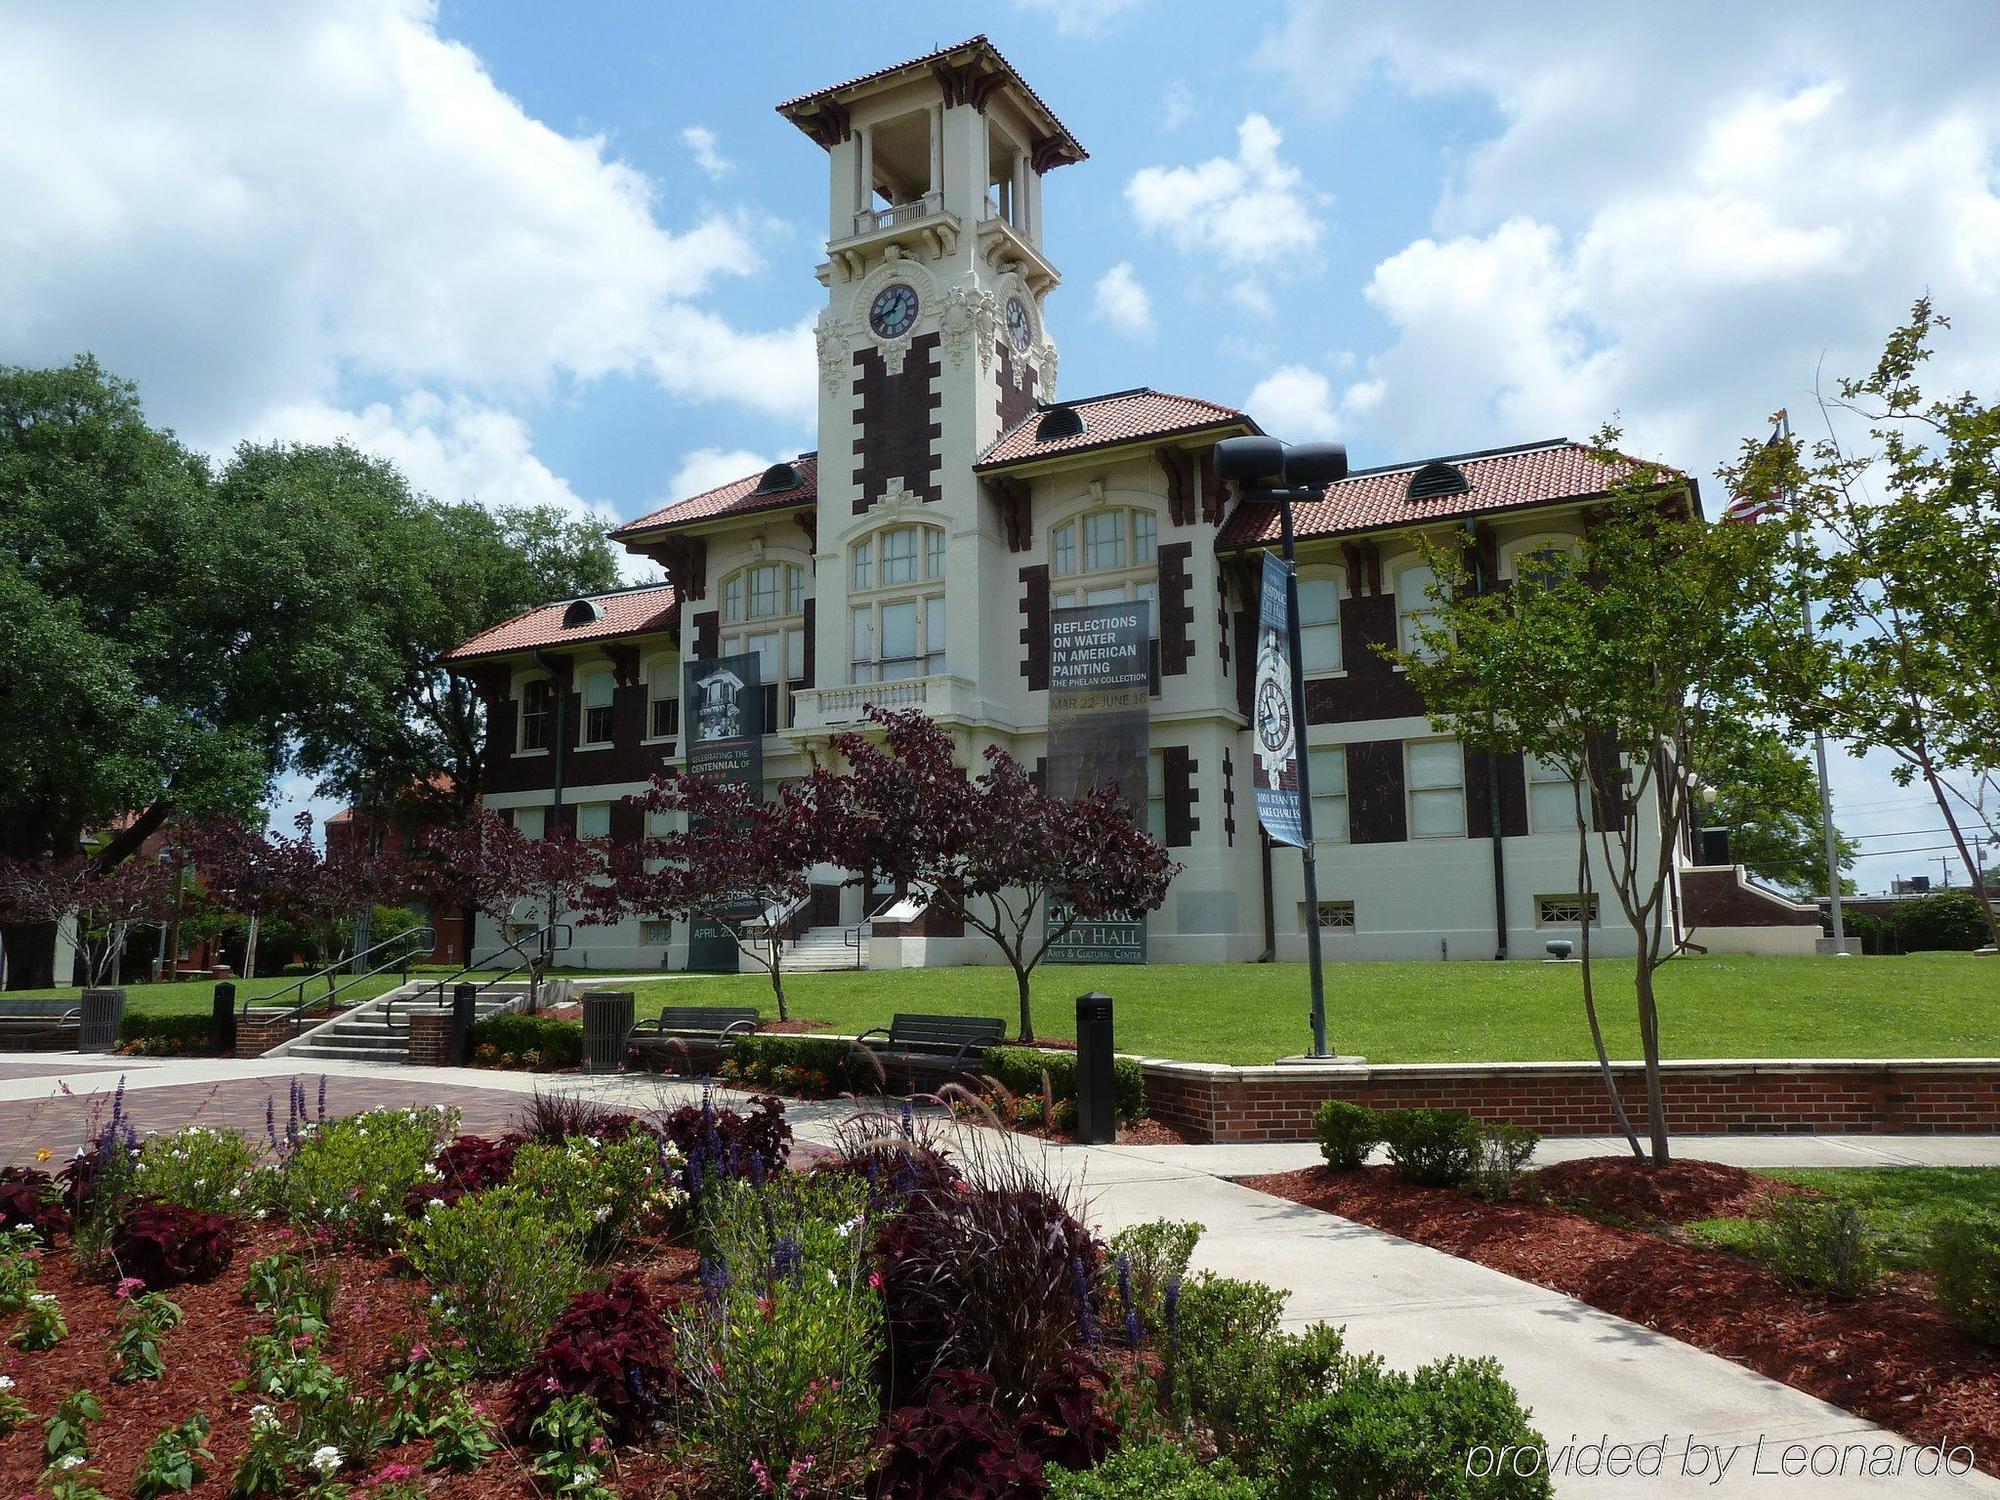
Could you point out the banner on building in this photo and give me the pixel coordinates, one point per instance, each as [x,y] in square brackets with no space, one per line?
[1100,687]
[1275,773]
[722,715]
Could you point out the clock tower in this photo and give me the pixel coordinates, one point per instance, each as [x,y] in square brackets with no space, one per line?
[933,341]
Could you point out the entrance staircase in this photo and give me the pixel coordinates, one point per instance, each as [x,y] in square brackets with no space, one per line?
[821,950]
[379,1030]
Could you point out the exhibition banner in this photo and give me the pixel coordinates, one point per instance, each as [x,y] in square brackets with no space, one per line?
[1275,774]
[722,712]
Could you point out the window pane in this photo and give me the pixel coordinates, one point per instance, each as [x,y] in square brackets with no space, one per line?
[1329,771]
[528,821]
[863,640]
[1437,814]
[1104,540]
[1145,536]
[795,590]
[1151,594]
[765,649]
[899,555]
[1064,548]
[593,820]
[732,599]
[795,653]
[934,552]
[1156,819]
[1319,601]
[899,630]
[864,565]
[1552,807]
[1436,763]
[763,591]
[666,718]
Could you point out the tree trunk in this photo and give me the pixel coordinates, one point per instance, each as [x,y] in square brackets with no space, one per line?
[1649,1036]
[1965,854]
[778,978]
[135,833]
[250,947]
[1027,1016]
[1584,893]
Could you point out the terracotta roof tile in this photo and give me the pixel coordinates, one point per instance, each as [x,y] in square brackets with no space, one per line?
[636,611]
[979,41]
[1121,417]
[738,497]
[1377,499]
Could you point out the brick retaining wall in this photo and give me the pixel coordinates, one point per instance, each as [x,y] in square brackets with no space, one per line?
[260,1031]
[430,1037]
[1916,1096]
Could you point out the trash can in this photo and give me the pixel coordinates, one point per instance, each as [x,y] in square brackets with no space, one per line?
[100,1014]
[607,1029]
[1096,1085]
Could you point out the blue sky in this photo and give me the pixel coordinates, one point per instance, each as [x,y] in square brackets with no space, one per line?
[564,253]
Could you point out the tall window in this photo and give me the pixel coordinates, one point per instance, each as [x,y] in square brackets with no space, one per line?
[1319,622]
[593,820]
[1114,556]
[1435,776]
[537,701]
[1551,798]
[769,599]
[597,694]
[1329,788]
[897,623]
[663,701]
[530,821]
[1416,611]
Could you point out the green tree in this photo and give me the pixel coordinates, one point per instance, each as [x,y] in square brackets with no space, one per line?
[1767,796]
[1626,665]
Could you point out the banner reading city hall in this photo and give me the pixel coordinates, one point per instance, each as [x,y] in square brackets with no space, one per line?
[1275,774]
[722,711]
[1100,684]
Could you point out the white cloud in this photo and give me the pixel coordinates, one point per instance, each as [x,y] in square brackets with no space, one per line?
[1078,17]
[333,212]
[705,468]
[704,148]
[1295,403]
[1250,209]
[1123,302]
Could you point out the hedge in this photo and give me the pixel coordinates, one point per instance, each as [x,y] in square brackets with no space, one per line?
[559,1042]
[179,1033]
[1019,1070]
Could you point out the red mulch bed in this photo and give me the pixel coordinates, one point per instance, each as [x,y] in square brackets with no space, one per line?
[1891,1355]
[376,1311]
[793,1027]
[1678,1193]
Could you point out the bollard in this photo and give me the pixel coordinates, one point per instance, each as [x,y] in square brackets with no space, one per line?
[464,1007]
[222,1021]
[1096,1087]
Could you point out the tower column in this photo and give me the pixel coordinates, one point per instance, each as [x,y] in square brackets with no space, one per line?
[865,195]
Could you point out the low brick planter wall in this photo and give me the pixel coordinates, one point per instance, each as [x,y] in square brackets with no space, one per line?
[1912,1096]
[260,1031]
[430,1038]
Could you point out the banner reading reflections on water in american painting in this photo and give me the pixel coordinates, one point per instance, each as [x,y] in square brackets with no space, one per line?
[1100,685]
[722,709]
[1274,735]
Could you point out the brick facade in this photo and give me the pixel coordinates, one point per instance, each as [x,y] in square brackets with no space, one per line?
[898,421]
[1918,1097]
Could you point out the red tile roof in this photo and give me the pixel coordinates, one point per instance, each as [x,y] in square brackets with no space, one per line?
[645,610]
[980,42]
[737,498]
[1377,499]
[1121,417]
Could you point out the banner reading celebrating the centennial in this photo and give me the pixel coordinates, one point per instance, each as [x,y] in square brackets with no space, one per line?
[722,708]
[1275,737]
[1100,685]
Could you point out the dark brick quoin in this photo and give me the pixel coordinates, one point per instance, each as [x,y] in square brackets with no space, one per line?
[1809,1097]
[1035,626]
[1228,797]
[707,635]
[1014,401]
[1177,768]
[1371,688]
[899,423]
[1176,609]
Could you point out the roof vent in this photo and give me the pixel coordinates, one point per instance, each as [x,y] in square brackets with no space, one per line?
[777,479]
[1437,479]
[582,612]
[1059,422]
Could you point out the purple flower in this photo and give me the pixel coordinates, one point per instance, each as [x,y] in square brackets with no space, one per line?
[1086,1319]
[1125,1300]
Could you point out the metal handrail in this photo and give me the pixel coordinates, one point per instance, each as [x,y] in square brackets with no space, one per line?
[551,938]
[850,937]
[425,941]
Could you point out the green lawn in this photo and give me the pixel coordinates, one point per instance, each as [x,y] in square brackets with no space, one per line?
[1900,1205]
[1936,1004]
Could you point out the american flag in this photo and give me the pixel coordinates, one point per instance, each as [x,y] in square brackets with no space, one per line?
[1756,507]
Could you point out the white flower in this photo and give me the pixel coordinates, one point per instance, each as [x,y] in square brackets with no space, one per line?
[6,1382]
[435,1203]
[263,1418]
[70,1461]
[850,1226]
[326,1459]
[388,1218]
[236,1192]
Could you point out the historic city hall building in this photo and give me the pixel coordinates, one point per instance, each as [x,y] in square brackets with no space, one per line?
[956,499]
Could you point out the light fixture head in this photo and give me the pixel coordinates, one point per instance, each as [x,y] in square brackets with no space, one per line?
[1250,461]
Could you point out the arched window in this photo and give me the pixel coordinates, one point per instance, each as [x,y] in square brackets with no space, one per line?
[767,601]
[1319,619]
[1112,556]
[896,615]
[1537,558]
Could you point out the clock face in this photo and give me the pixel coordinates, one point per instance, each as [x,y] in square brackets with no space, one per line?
[1019,329]
[1274,719]
[894,310]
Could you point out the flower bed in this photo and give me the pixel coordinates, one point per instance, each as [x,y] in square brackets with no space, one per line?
[1606,1231]
[597,1304]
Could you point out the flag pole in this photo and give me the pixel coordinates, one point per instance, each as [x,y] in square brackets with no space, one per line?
[1819,735]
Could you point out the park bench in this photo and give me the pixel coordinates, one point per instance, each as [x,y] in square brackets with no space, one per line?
[697,1034]
[935,1049]
[40,1024]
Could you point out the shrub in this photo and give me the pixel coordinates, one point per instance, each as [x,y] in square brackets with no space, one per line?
[613,1346]
[815,1067]
[195,1168]
[965,1441]
[1347,1133]
[176,1461]
[470,1164]
[1384,1435]
[778,1353]
[163,1245]
[501,1268]
[607,1188]
[1242,1390]
[142,1323]
[1215,1310]
[147,1035]
[350,1176]
[30,1201]
[1020,1071]
[719,1145]
[1153,1470]
[562,1113]
[1818,1244]
[1965,1253]
[1432,1147]
[1941,921]
[1153,1256]
[558,1044]
[64,1433]
[1504,1154]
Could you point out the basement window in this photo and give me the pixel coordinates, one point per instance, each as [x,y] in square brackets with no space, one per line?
[1565,910]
